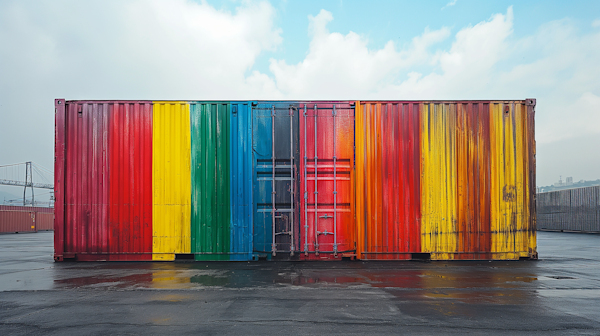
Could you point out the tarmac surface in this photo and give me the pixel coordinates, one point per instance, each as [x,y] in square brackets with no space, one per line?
[556,295]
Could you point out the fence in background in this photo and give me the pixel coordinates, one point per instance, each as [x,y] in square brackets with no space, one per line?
[569,210]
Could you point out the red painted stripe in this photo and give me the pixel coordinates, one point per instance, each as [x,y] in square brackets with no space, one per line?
[130,181]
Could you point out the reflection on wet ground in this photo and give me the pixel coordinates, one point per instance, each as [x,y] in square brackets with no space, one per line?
[561,290]
[581,271]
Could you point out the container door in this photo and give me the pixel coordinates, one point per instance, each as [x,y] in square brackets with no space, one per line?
[327,152]
[275,158]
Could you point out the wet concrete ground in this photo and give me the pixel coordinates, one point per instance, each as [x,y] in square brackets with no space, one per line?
[557,295]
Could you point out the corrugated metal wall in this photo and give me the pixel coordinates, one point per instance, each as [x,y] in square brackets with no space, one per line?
[44,221]
[15,219]
[129,181]
[473,180]
[327,180]
[210,181]
[141,180]
[475,169]
[569,210]
[171,180]
[86,180]
[513,227]
[388,191]
[241,180]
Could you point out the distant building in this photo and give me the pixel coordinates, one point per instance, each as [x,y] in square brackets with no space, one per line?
[567,184]
[560,183]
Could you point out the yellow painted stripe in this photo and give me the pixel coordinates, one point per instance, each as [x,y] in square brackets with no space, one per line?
[510,194]
[438,183]
[171,180]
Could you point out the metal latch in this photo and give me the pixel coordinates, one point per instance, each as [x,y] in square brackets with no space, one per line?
[326,216]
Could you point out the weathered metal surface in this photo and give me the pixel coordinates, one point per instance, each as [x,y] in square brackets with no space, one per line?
[149,180]
[327,225]
[171,179]
[103,203]
[569,210]
[474,165]
[439,178]
[275,177]
[241,180]
[512,189]
[473,180]
[86,234]
[129,181]
[210,220]
[388,191]
[25,219]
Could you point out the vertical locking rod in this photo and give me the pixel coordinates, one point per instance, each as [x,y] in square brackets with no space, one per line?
[305,189]
[334,186]
[273,245]
[292,182]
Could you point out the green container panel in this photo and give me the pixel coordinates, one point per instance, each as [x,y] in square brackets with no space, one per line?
[210,220]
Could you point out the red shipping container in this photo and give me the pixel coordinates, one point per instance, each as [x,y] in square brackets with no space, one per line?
[14,218]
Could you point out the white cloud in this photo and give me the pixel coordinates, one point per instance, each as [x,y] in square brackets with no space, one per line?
[139,49]
[342,66]
[186,50]
[557,65]
[450,4]
[596,23]
[483,62]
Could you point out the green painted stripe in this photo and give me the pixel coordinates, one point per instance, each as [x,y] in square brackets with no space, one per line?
[210,220]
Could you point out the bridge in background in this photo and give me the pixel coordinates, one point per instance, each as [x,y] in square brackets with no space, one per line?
[23,175]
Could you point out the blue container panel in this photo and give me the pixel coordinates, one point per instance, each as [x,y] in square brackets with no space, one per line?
[241,180]
[287,179]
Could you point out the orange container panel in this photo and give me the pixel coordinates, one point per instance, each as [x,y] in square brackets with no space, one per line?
[388,190]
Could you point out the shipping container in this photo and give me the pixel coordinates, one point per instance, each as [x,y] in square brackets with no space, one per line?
[446,180]
[327,229]
[312,180]
[573,210]
[18,219]
[275,178]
